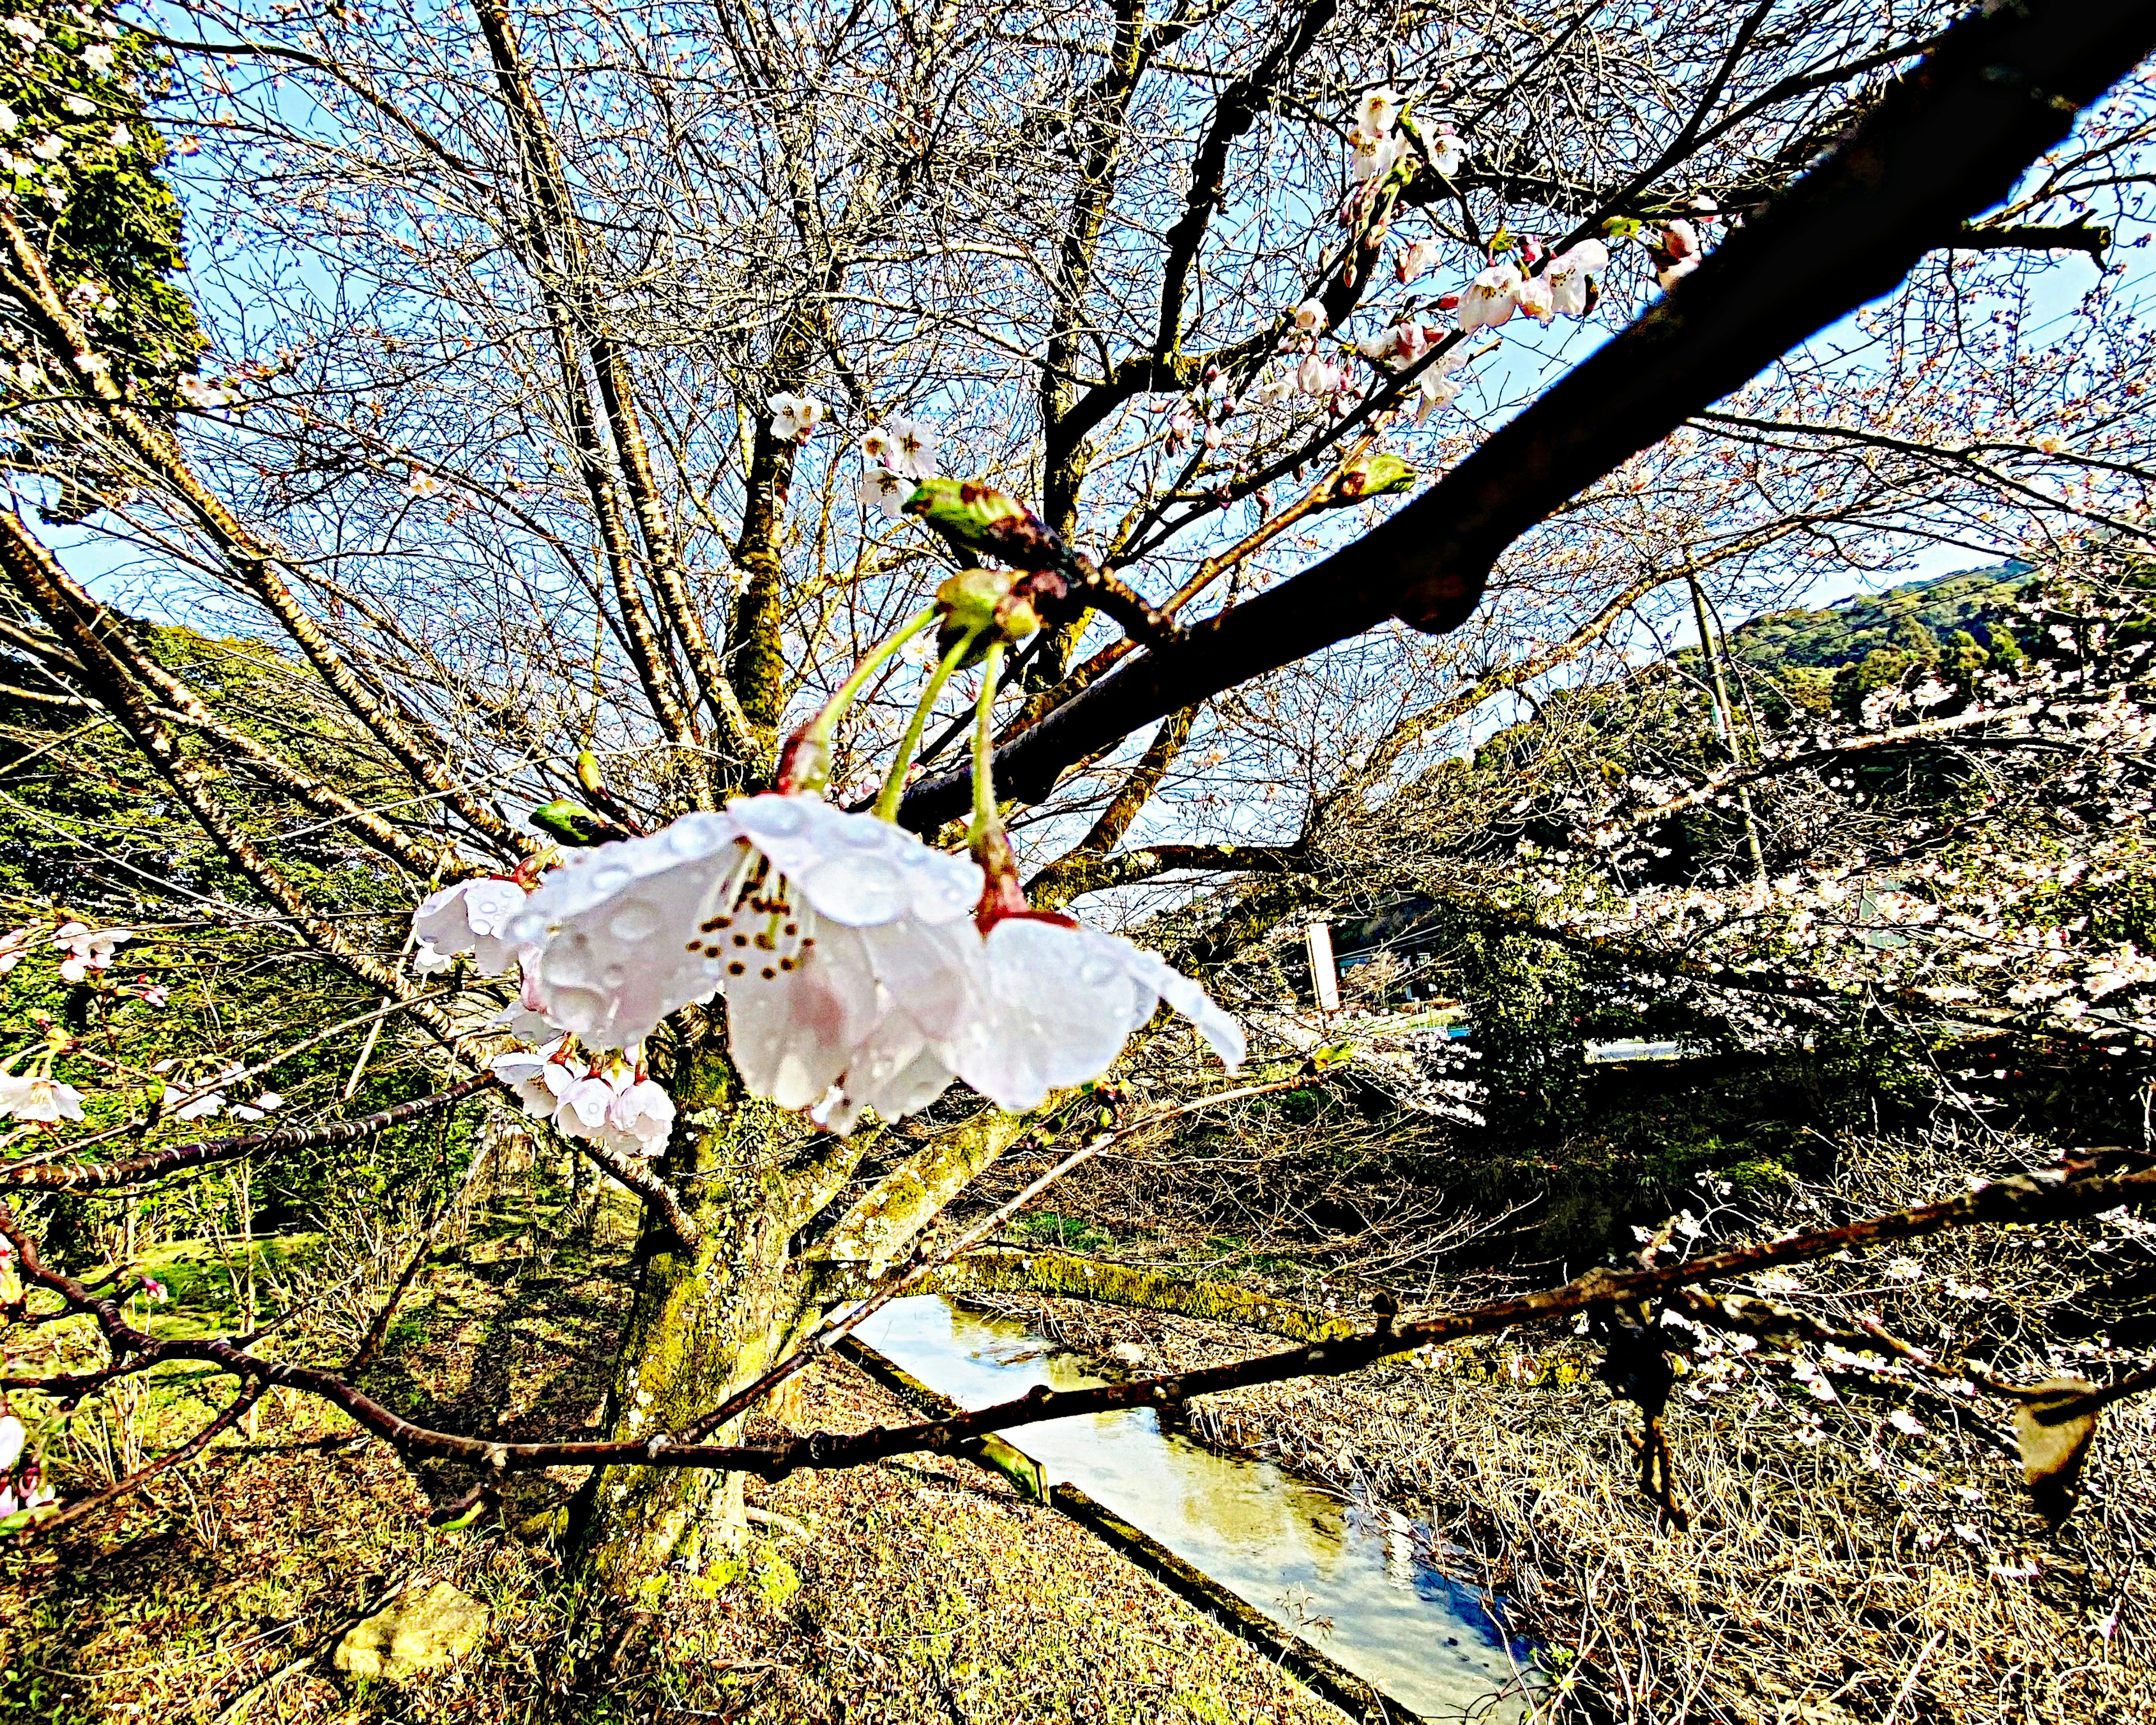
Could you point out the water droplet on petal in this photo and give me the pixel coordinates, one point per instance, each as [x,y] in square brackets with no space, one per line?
[776,815]
[857,891]
[1096,969]
[634,921]
[614,976]
[866,831]
[606,876]
[575,1009]
[530,926]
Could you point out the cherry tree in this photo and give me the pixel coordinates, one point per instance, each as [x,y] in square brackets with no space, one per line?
[734,492]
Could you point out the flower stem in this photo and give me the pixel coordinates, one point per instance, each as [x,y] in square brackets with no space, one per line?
[812,744]
[985,817]
[894,783]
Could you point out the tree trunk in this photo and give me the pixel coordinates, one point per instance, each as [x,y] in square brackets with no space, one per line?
[704,1322]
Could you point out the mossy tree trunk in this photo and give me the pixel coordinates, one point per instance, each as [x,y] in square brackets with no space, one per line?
[767,1196]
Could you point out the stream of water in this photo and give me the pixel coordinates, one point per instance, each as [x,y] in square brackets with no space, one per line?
[1338,1575]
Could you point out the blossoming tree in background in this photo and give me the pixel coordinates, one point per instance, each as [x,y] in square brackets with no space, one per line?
[753,514]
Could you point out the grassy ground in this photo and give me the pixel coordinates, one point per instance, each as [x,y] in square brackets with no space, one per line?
[900,1592]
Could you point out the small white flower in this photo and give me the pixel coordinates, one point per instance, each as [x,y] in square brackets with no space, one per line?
[98,57]
[907,447]
[583,1110]
[883,490]
[41,1097]
[1448,154]
[795,418]
[1378,112]
[1907,1423]
[1418,259]
[1491,298]
[1310,317]
[12,1439]
[1377,157]
[88,949]
[471,916]
[47,148]
[1567,273]
[1536,299]
[1318,375]
[15,945]
[538,1077]
[197,392]
[640,1117]
[1061,1002]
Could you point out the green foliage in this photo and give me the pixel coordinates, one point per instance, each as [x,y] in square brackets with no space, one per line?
[1907,619]
[98,204]
[1528,1000]
[88,832]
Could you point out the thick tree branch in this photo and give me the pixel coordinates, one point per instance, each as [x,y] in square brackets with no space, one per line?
[1945,143]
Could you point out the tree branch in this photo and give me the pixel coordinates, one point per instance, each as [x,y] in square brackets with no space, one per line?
[1945,142]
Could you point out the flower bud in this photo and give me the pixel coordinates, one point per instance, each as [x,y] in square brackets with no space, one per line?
[1374,474]
[572,823]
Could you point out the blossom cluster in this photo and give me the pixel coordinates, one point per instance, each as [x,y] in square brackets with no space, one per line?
[858,966]
[615,1105]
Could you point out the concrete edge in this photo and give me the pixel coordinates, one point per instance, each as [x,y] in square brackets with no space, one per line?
[1324,1676]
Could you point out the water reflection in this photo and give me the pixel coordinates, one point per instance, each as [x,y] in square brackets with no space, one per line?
[1342,1577]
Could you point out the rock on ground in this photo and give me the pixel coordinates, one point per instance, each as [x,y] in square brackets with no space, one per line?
[419,1630]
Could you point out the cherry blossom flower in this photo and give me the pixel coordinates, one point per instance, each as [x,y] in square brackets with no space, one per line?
[1317,375]
[470,917]
[1310,317]
[1274,386]
[1491,298]
[206,1101]
[88,949]
[38,1096]
[1062,1000]
[883,490]
[1417,260]
[156,994]
[15,945]
[538,1076]
[11,1439]
[261,1108]
[582,1108]
[1448,154]
[640,1117]
[1678,255]
[199,392]
[1375,158]
[1568,272]
[1378,112]
[795,418]
[1535,298]
[907,447]
[828,932]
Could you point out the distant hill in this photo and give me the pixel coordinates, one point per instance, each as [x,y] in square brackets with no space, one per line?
[1845,632]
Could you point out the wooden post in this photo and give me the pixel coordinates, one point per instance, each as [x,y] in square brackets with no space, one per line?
[1324,973]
